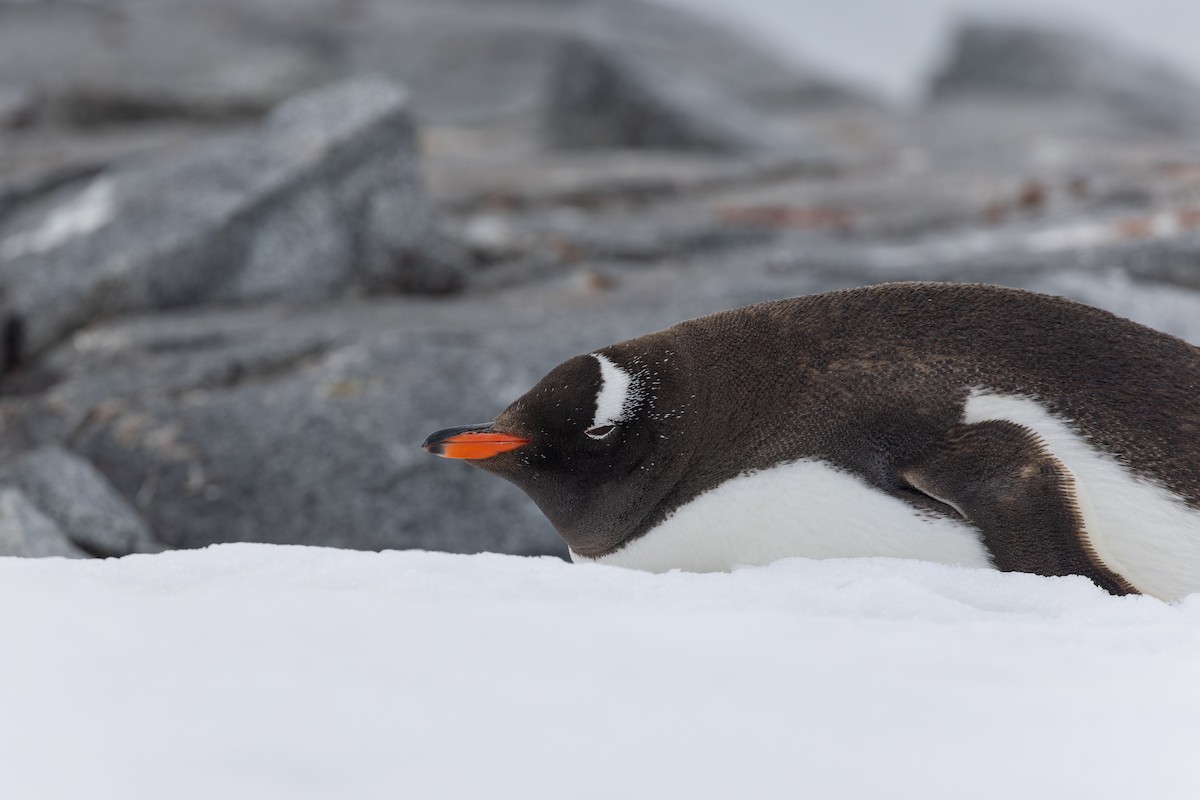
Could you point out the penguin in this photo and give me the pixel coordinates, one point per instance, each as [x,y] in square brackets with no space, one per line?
[964,424]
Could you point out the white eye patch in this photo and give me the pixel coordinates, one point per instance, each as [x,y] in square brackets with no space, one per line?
[601,432]
[616,397]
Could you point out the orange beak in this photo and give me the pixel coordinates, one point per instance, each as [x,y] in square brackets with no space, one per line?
[471,442]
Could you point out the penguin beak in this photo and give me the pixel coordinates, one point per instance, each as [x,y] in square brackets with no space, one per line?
[471,442]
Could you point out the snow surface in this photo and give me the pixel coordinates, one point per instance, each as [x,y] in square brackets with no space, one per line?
[257,671]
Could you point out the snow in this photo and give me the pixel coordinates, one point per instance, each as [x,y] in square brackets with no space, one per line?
[257,671]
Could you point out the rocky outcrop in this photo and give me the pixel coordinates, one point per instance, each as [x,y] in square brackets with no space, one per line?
[302,425]
[110,61]
[53,503]
[324,197]
[99,63]
[1023,61]
[26,531]
[16,107]
[80,503]
[605,96]
[90,86]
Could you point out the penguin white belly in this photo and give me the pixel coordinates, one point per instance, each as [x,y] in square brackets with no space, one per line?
[805,508]
[1139,529]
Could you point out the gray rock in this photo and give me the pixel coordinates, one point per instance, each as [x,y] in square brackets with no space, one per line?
[1008,60]
[25,531]
[80,502]
[325,196]
[468,62]
[318,450]
[719,54]
[486,179]
[104,61]
[1076,246]
[16,106]
[97,63]
[36,162]
[572,236]
[648,77]
[603,96]
[107,71]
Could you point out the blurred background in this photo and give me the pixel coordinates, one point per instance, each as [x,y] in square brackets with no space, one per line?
[253,251]
[894,47]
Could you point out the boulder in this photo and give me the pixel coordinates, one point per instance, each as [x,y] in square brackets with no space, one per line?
[16,106]
[469,62]
[642,76]
[107,61]
[80,502]
[605,96]
[1007,254]
[37,162]
[718,54]
[143,76]
[1023,61]
[26,531]
[324,197]
[302,426]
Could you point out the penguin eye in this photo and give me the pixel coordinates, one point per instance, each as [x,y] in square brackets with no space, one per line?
[600,431]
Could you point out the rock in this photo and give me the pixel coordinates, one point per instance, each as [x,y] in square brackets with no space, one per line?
[104,61]
[602,96]
[80,502]
[469,62]
[26,531]
[1004,256]
[719,55]
[16,106]
[1026,61]
[97,63]
[571,236]
[643,76]
[326,196]
[485,179]
[74,73]
[318,450]
[36,162]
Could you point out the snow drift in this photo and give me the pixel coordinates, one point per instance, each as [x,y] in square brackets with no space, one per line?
[256,671]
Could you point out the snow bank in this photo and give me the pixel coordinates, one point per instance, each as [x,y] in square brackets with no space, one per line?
[252,671]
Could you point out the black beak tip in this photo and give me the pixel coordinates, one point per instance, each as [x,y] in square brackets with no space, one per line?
[433,442]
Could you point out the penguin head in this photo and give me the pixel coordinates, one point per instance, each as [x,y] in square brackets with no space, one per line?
[597,443]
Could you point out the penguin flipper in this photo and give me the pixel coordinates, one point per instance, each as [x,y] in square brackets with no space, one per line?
[1001,478]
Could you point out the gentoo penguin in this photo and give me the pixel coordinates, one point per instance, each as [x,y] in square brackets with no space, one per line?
[970,425]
